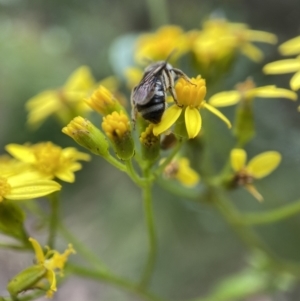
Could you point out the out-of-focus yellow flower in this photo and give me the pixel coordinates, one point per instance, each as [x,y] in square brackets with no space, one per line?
[49,160]
[180,169]
[65,102]
[219,40]
[290,47]
[46,267]
[133,76]
[258,167]
[25,186]
[248,91]
[160,44]
[11,166]
[190,97]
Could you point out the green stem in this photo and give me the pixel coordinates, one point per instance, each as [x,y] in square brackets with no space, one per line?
[54,218]
[273,215]
[79,247]
[15,247]
[133,175]
[158,12]
[114,280]
[234,218]
[148,207]
[116,163]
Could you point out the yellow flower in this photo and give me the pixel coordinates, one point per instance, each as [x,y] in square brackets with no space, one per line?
[248,91]
[159,45]
[219,40]
[25,186]
[117,128]
[103,101]
[180,169]
[52,261]
[49,160]
[258,167]
[190,96]
[64,102]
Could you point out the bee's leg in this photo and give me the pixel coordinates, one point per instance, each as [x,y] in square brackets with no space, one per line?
[168,82]
[133,111]
[179,73]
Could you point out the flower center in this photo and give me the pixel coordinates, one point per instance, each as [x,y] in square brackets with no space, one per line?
[48,157]
[4,188]
[191,93]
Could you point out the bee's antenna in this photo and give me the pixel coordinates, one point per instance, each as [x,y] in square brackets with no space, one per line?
[171,54]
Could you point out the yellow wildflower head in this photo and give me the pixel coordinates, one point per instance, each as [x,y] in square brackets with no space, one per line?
[159,45]
[117,128]
[49,160]
[180,169]
[258,167]
[87,135]
[53,262]
[103,101]
[64,102]
[190,97]
[219,41]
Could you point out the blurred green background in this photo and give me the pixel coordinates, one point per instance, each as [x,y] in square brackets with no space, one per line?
[42,42]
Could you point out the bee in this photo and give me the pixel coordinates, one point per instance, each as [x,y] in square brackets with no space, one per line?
[149,96]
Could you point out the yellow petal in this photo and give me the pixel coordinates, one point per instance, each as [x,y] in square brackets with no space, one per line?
[261,36]
[39,254]
[80,79]
[290,47]
[193,121]
[20,152]
[66,175]
[168,119]
[272,92]
[238,158]
[295,81]
[31,190]
[50,275]
[217,113]
[252,52]
[263,164]
[254,192]
[282,66]
[224,99]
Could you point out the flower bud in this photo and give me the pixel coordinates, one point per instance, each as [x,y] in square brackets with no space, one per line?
[87,135]
[150,144]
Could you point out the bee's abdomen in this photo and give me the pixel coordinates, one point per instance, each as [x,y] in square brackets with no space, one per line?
[153,110]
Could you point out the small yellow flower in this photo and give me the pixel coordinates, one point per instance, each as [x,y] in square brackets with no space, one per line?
[258,167]
[25,186]
[49,160]
[103,101]
[52,261]
[180,169]
[159,45]
[64,102]
[219,40]
[117,128]
[190,96]
[248,91]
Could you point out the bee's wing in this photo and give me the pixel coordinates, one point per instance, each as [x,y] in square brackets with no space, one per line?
[143,93]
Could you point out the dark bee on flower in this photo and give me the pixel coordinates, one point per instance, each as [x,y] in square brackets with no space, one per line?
[149,96]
